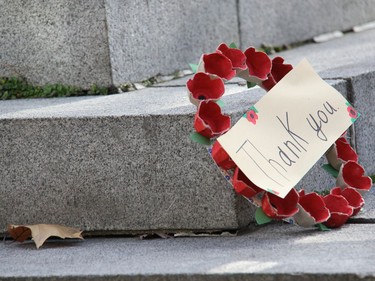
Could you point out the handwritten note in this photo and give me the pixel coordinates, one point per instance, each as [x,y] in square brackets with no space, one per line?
[284,134]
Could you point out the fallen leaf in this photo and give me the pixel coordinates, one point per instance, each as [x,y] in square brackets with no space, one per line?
[41,232]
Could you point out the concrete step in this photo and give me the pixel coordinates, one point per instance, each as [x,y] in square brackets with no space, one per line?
[125,163]
[272,252]
[92,42]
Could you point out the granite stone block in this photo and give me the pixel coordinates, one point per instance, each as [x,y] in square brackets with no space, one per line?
[278,22]
[109,42]
[151,37]
[103,164]
[363,98]
[55,42]
[342,58]
[361,87]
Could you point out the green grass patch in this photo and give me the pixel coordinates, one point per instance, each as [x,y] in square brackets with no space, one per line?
[19,88]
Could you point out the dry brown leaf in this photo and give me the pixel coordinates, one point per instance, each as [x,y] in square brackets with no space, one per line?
[41,232]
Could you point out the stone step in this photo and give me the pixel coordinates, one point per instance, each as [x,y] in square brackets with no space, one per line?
[109,42]
[124,163]
[271,252]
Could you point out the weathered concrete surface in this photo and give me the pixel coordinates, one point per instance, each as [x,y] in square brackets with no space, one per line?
[345,57]
[108,42]
[272,252]
[277,22]
[151,37]
[367,213]
[55,42]
[118,163]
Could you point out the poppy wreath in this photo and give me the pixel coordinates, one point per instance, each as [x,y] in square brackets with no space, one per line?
[205,90]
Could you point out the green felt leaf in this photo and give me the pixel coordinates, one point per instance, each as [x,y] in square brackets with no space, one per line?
[330,170]
[253,108]
[261,217]
[354,119]
[220,103]
[200,139]
[373,178]
[251,84]
[194,67]
[233,45]
[322,227]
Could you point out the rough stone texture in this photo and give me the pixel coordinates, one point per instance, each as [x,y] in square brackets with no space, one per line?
[120,162]
[273,252]
[345,57]
[55,42]
[363,93]
[146,102]
[278,22]
[367,214]
[151,37]
[363,88]
[108,42]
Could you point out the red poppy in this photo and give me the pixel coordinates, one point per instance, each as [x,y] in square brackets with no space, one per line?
[312,210]
[269,83]
[221,157]
[218,64]
[279,68]
[354,198]
[341,152]
[236,56]
[252,116]
[242,185]
[209,121]
[351,174]
[339,208]
[279,208]
[258,64]
[345,151]
[352,112]
[205,87]
[278,71]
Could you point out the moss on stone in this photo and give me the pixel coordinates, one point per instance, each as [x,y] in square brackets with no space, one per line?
[17,88]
